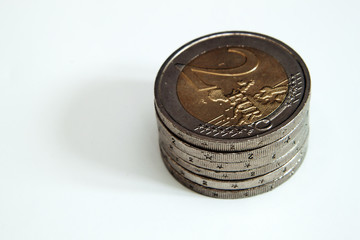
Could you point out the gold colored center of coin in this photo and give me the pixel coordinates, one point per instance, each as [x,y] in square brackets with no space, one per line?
[232,86]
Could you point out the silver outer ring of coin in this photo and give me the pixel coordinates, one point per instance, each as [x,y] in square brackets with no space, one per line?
[258,153]
[236,184]
[231,194]
[247,165]
[184,125]
[237,175]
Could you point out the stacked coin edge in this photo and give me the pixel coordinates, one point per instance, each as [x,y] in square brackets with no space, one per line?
[257,170]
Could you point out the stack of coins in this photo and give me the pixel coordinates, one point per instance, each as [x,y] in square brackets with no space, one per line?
[232,113]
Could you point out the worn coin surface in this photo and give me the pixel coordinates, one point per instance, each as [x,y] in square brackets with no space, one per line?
[232,91]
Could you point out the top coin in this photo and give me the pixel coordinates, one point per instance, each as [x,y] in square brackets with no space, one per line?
[231,87]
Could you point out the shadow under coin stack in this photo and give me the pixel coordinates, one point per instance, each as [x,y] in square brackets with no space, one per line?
[232,113]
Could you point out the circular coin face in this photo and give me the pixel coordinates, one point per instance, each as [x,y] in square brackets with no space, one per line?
[230,86]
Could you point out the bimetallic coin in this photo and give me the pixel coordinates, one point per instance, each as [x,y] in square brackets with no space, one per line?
[232,91]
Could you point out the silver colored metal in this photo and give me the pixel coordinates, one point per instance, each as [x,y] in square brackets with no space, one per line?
[262,155]
[238,165]
[235,184]
[232,194]
[221,173]
[257,142]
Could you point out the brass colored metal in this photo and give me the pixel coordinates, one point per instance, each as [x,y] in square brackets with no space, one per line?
[232,86]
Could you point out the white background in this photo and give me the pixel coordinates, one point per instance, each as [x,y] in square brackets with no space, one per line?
[78,142]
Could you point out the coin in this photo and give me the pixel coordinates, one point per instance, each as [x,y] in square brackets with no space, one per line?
[260,155]
[222,170]
[234,184]
[232,194]
[232,91]
[237,164]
